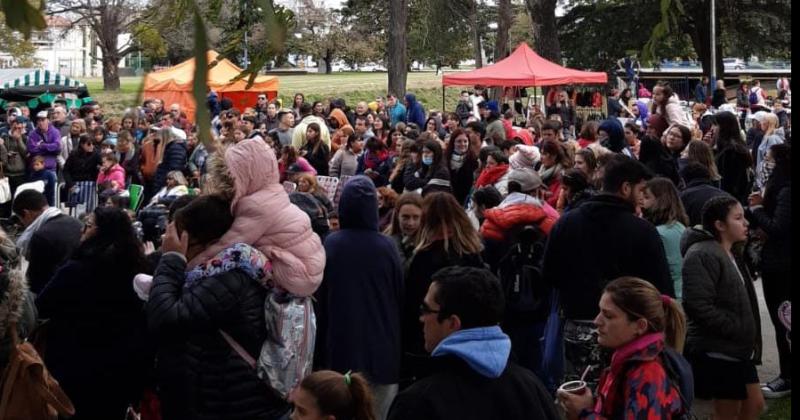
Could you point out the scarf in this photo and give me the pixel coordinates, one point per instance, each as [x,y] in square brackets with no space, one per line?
[490,176]
[456,161]
[547,174]
[238,256]
[25,239]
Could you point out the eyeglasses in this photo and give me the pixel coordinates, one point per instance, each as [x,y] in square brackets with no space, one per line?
[425,310]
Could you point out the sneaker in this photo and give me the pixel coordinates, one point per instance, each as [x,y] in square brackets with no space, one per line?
[777,388]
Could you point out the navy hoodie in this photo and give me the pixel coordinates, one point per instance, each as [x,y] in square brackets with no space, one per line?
[414,112]
[360,297]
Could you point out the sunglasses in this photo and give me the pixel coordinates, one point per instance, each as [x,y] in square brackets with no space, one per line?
[425,310]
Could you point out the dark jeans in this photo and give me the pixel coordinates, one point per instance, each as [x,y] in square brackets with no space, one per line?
[778,289]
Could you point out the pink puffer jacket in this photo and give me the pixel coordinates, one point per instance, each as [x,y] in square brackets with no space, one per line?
[265,219]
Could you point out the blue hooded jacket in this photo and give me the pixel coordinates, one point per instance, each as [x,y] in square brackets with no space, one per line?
[485,349]
[359,301]
[616,135]
[415,113]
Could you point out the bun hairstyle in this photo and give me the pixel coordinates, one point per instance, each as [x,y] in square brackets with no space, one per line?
[345,396]
[639,299]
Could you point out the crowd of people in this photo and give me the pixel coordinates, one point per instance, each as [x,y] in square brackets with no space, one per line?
[467,265]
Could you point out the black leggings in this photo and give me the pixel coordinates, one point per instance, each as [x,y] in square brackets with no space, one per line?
[777,289]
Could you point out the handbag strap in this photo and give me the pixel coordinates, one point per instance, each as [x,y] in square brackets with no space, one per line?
[239,349]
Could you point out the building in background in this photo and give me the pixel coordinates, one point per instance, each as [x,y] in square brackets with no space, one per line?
[68,50]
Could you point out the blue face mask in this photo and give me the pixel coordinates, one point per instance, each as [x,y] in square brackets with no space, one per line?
[427,160]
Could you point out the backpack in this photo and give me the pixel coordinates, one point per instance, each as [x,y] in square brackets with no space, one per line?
[754,96]
[520,274]
[27,391]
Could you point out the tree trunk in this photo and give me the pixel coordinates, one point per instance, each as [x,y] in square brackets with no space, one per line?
[701,39]
[397,47]
[504,21]
[476,36]
[110,72]
[328,59]
[544,31]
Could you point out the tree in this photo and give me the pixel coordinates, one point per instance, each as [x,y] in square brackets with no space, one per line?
[743,27]
[437,32]
[584,33]
[108,19]
[16,45]
[476,35]
[545,33]
[23,16]
[225,22]
[505,18]
[397,46]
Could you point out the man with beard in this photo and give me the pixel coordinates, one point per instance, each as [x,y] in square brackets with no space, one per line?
[609,241]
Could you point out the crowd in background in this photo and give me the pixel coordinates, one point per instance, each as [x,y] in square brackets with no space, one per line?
[467,264]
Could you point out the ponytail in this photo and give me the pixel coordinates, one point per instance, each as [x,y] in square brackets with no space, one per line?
[639,299]
[345,396]
[674,324]
[362,398]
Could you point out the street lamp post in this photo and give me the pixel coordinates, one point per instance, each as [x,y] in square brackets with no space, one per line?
[713,46]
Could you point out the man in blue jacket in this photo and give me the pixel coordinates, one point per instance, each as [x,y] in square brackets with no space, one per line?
[360,298]
[415,112]
[397,111]
[471,376]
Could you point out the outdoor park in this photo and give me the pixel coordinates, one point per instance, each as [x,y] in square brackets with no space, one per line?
[574,179]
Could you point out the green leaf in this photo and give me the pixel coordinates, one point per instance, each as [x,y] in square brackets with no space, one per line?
[200,84]
[23,16]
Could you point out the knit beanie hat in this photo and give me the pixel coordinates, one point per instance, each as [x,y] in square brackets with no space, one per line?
[524,157]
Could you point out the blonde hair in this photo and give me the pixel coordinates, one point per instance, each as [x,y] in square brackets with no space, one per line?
[312,182]
[444,219]
[770,124]
[218,178]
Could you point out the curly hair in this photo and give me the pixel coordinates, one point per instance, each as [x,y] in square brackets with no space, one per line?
[218,178]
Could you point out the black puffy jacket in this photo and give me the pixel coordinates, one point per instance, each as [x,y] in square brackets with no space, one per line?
[199,375]
[775,219]
[81,166]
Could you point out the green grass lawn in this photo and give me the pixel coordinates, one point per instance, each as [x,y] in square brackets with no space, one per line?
[780,409]
[351,86]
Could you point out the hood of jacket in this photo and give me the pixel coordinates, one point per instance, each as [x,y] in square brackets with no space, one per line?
[265,218]
[693,236]
[644,348]
[340,117]
[358,206]
[485,349]
[616,134]
[499,220]
[411,99]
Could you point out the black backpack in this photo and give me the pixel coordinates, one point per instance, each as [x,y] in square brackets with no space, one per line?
[520,274]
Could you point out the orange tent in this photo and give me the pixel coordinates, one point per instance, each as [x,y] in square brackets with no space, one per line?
[174,85]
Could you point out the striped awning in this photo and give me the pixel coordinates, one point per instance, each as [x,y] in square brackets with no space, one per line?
[13,78]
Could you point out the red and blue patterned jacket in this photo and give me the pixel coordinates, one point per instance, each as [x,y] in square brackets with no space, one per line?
[646,391]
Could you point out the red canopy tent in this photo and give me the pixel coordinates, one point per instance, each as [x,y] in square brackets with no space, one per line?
[524,68]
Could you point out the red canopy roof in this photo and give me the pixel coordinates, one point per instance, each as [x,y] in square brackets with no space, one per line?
[524,68]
